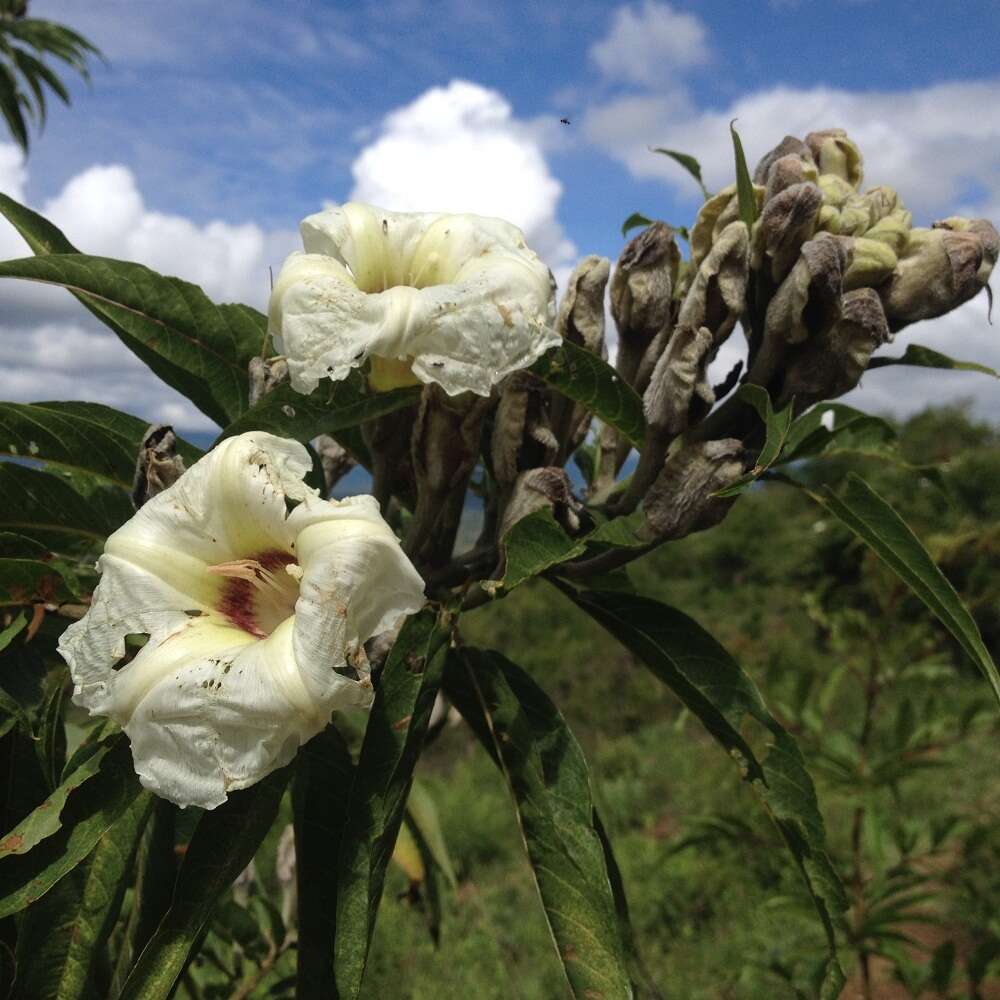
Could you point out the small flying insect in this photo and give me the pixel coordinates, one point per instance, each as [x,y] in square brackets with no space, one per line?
[564,121]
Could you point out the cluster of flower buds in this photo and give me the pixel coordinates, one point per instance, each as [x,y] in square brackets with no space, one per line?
[827,273]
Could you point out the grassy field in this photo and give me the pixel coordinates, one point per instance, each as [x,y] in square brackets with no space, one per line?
[897,728]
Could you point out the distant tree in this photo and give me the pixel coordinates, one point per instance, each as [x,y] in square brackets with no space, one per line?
[24,75]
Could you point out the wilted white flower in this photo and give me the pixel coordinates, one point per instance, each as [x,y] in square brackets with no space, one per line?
[256,596]
[458,300]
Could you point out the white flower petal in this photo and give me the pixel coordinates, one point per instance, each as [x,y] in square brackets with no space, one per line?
[220,713]
[242,664]
[460,295]
[356,583]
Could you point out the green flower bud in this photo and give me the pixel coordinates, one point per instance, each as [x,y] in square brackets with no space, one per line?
[836,191]
[872,261]
[893,230]
[828,219]
[882,201]
[714,217]
[835,154]
[855,216]
[938,270]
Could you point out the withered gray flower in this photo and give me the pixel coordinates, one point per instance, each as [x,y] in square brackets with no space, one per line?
[788,220]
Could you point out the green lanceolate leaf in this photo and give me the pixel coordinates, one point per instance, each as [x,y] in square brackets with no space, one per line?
[871,518]
[332,407]
[60,937]
[40,235]
[744,184]
[689,163]
[549,782]
[397,725]
[531,546]
[81,437]
[89,812]
[156,871]
[924,357]
[223,844]
[320,793]
[777,425]
[715,689]
[44,507]
[422,814]
[850,430]
[586,379]
[46,819]
[200,348]
[634,220]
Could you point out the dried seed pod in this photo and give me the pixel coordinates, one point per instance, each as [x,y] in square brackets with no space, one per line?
[835,154]
[831,364]
[788,220]
[938,270]
[681,499]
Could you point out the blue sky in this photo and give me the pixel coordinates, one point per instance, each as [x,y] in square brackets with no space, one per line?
[217,126]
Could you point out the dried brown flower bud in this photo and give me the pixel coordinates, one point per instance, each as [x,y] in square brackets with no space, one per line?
[537,489]
[789,147]
[834,153]
[680,501]
[266,375]
[872,261]
[938,270]
[679,393]
[335,459]
[642,289]
[787,171]
[716,296]
[987,234]
[581,312]
[522,435]
[157,466]
[831,364]
[581,320]
[788,220]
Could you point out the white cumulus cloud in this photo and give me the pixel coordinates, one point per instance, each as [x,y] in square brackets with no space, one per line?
[460,148]
[49,345]
[648,44]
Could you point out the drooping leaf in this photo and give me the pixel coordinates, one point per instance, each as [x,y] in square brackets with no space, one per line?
[689,163]
[714,688]
[320,793]
[875,522]
[550,785]
[332,407]
[745,193]
[777,425]
[583,377]
[423,815]
[393,740]
[924,357]
[81,437]
[197,347]
[44,507]
[61,937]
[46,819]
[87,815]
[634,220]
[223,844]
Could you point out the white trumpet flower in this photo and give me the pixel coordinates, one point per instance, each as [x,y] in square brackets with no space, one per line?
[458,300]
[256,596]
